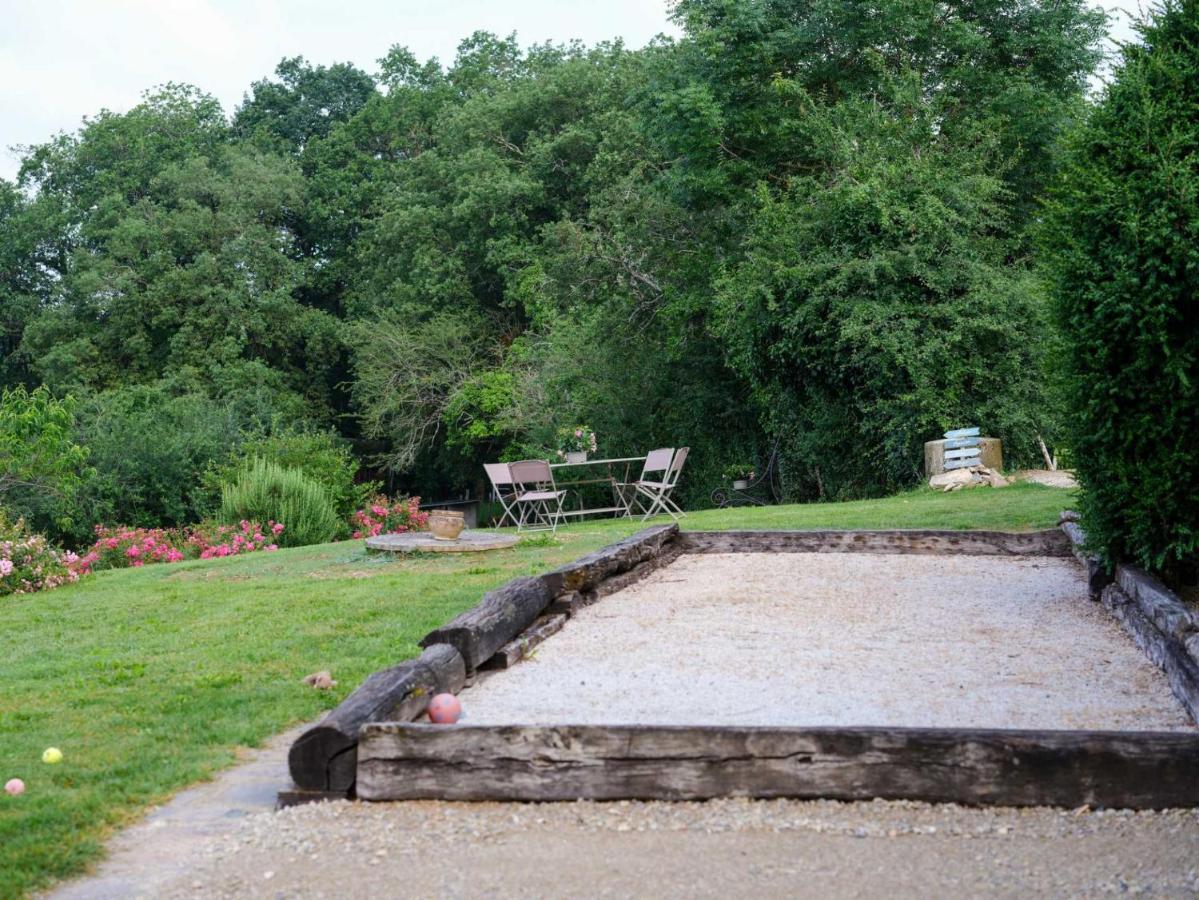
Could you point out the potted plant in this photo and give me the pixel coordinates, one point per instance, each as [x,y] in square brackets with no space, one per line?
[740,475]
[575,443]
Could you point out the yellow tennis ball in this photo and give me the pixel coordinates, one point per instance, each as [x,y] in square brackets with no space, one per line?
[52,756]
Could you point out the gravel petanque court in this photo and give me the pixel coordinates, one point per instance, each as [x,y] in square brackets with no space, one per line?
[850,639]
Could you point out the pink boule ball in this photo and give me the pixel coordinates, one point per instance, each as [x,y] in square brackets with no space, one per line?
[444,709]
[14,786]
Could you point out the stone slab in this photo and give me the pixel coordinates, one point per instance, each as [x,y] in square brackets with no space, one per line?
[423,542]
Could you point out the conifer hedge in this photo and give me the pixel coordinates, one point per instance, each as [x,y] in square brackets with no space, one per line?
[1123,253]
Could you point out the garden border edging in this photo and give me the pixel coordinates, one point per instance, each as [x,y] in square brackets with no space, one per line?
[1156,618]
[323,761]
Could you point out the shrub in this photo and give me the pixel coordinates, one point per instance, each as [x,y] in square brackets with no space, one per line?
[41,466]
[121,547]
[1120,244]
[29,563]
[320,455]
[149,449]
[210,540]
[383,516]
[264,491]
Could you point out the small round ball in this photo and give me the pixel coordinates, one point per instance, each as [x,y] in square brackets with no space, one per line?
[14,786]
[52,756]
[444,709]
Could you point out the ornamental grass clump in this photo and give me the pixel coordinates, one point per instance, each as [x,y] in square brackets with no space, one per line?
[266,492]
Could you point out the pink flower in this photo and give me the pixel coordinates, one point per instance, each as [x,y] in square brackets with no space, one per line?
[6,567]
[133,552]
[277,528]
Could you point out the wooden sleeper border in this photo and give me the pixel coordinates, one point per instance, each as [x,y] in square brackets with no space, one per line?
[323,761]
[971,766]
[369,746]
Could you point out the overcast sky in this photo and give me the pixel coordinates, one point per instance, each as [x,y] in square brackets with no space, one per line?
[63,59]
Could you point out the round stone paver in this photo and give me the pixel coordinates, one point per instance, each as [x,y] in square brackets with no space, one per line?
[423,542]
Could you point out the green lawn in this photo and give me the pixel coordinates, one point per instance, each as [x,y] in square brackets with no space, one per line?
[151,679]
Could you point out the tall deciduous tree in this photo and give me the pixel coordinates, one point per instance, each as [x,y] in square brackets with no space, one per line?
[176,260]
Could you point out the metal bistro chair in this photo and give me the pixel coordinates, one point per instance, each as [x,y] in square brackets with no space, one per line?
[538,501]
[658,492]
[656,461]
[503,490]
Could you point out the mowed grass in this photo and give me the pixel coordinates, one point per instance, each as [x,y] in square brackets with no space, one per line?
[151,679]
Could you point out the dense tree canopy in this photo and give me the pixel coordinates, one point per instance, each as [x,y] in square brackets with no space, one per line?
[798,222]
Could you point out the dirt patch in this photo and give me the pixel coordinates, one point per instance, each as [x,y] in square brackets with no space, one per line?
[1059,478]
[840,639]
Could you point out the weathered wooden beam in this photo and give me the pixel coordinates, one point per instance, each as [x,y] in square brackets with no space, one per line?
[324,757]
[297,797]
[610,586]
[568,604]
[1163,607]
[970,543]
[1140,770]
[522,645]
[1098,576]
[588,571]
[498,618]
[1168,651]
[571,602]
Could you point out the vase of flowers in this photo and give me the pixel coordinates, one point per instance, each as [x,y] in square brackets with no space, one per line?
[740,475]
[575,443]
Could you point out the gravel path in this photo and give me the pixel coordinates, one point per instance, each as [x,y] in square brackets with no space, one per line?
[726,848]
[840,639]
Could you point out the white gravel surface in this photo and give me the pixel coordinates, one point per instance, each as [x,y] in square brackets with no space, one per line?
[840,639]
[723,848]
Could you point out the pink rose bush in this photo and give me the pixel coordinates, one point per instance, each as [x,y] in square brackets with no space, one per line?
[29,563]
[214,541]
[383,516]
[123,547]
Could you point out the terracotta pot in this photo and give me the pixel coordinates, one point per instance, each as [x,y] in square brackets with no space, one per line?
[576,456]
[446,524]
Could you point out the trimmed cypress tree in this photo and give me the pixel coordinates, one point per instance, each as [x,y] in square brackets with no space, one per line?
[1122,248]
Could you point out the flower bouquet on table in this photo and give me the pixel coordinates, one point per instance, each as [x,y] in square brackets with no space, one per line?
[575,443]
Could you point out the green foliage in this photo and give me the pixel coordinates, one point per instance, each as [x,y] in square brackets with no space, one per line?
[265,491]
[322,456]
[305,103]
[1123,239]
[39,458]
[875,309]
[450,263]
[408,373]
[149,448]
[181,267]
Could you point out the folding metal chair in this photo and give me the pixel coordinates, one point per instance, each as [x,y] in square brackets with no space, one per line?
[538,502]
[655,461]
[658,492]
[503,490]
